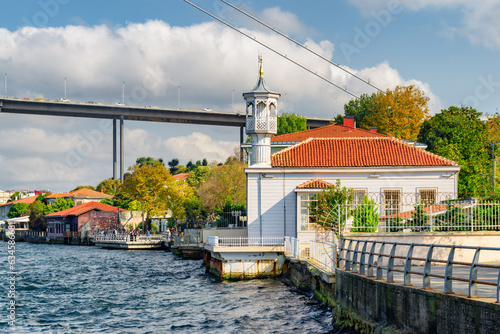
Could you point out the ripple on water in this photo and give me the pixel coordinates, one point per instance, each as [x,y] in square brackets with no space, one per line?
[69,289]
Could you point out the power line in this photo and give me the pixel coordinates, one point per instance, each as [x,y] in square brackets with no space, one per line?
[301,45]
[271,49]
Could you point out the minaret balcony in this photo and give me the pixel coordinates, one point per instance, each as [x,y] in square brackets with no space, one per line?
[262,125]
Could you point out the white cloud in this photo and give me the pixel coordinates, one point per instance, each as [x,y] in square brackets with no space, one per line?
[208,60]
[479,22]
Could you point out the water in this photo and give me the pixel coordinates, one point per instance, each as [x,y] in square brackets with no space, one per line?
[78,289]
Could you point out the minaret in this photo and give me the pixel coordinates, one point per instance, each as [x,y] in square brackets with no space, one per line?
[261,120]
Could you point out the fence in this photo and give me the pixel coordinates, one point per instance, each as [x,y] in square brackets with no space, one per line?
[232,219]
[322,254]
[244,241]
[124,237]
[187,240]
[449,216]
[374,258]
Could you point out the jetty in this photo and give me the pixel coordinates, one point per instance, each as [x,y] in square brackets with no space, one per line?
[126,242]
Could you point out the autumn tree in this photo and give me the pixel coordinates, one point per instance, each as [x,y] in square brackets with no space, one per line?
[109,186]
[289,123]
[149,161]
[458,134]
[218,188]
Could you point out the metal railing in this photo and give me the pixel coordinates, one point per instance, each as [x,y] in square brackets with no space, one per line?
[322,254]
[374,258]
[245,241]
[120,237]
[187,240]
[453,216]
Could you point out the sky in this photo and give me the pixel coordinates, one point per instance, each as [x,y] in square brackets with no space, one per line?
[448,48]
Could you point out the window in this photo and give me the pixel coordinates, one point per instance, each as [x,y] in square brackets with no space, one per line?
[358,195]
[272,108]
[427,196]
[261,107]
[391,202]
[305,223]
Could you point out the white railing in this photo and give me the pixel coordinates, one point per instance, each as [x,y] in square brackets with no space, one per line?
[245,241]
[322,254]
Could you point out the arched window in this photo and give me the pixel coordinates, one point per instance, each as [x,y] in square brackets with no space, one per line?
[250,109]
[272,109]
[261,109]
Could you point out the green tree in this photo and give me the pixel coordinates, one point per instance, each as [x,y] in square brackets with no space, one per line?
[172,164]
[149,161]
[198,176]
[84,187]
[14,197]
[17,210]
[360,108]
[109,186]
[289,123]
[60,204]
[419,219]
[331,207]
[458,133]
[37,211]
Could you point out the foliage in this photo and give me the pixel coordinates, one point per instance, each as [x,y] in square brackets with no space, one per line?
[172,164]
[332,207]
[399,112]
[289,123]
[452,220]
[17,210]
[149,184]
[149,161]
[419,220]
[458,133]
[194,211]
[360,108]
[365,216]
[14,197]
[83,187]
[154,227]
[198,176]
[218,188]
[36,211]
[109,186]
[59,205]
[107,201]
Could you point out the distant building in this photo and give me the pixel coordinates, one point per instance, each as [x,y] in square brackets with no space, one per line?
[5,208]
[78,197]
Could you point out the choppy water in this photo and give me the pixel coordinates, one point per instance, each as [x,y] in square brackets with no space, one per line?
[78,289]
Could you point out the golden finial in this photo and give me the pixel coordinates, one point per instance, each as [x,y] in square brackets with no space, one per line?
[261,71]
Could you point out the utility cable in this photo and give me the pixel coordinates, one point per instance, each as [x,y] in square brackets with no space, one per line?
[271,49]
[301,45]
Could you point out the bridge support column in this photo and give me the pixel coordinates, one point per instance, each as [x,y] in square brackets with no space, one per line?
[114,149]
[121,149]
[241,142]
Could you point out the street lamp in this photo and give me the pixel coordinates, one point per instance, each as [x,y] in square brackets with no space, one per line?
[179,96]
[123,93]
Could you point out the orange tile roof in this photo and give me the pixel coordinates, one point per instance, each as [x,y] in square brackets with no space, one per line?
[27,200]
[314,184]
[83,208]
[181,176]
[356,152]
[329,131]
[84,192]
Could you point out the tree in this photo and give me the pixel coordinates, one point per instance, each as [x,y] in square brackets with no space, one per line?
[198,176]
[289,123]
[109,186]
[14,197]
[458,134]
[17,210]
[399,112]
[218,188]
[60,204]
[360,108]
[149,161]
[331,207]
[83,187]
[37,210]
[172,164]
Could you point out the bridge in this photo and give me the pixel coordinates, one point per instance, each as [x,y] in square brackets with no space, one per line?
[65,108]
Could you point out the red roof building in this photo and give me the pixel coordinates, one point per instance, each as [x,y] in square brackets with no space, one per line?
[79,196]
[84,217]
[5,208]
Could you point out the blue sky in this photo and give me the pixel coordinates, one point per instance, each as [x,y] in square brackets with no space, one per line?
[448,48]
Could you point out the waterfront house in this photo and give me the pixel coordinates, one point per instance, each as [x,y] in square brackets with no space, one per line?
[77,220]
[5,208]
[281,185]
[80,196]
